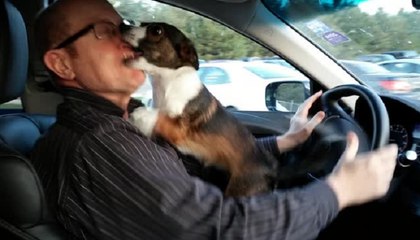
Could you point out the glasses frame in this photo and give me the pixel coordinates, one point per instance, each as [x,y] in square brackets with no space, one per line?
[75,36]
[81,33]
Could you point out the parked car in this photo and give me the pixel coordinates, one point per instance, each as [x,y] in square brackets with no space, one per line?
[274,60]
[375,57]
[384,81]
[403,54]
[311,34]
[402,65]
[238,84]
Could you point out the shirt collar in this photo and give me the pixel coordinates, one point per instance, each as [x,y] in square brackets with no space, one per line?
[98,102]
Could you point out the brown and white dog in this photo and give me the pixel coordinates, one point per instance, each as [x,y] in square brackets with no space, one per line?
[188,116]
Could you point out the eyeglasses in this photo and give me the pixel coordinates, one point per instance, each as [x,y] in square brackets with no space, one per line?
[102,30]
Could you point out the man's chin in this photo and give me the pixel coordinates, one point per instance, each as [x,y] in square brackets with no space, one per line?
[138,81]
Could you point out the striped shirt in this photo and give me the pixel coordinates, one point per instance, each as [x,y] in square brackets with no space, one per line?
[105,180]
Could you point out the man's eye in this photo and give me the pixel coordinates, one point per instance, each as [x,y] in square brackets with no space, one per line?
[113,31]
[109,30]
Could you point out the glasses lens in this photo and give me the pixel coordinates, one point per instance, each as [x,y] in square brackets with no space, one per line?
[105,30]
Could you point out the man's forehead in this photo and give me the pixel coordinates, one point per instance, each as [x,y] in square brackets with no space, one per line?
[82,12]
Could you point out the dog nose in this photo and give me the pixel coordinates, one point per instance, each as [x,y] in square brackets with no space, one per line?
[126,25]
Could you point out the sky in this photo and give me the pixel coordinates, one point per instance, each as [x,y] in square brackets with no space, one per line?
[389,6]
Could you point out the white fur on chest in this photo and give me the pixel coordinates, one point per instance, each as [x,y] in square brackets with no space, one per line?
[172,88]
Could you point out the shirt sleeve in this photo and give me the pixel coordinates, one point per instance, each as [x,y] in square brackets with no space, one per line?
[131,188]
[270,144]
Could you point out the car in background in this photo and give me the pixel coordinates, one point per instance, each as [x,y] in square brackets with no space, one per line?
[236,84]
[403,54]
[240,85]
[384,81]
[402,65]
[374,58]
[274,60]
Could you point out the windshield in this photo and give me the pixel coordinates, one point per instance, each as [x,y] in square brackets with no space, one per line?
[360,31]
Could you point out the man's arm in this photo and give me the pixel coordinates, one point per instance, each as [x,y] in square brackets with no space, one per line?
[135,188]
[301,127]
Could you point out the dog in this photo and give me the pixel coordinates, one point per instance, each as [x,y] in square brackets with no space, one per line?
[188,116]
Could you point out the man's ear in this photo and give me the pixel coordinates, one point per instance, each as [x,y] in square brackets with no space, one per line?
[58,61]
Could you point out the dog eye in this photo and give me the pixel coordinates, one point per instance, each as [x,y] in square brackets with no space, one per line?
[156,30]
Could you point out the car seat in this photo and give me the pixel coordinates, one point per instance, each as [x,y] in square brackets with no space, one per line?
[24,214]
[23,210]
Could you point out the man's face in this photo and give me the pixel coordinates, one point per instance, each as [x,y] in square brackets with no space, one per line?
[99,63]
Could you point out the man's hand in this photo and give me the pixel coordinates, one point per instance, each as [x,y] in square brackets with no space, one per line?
[360,178]
[300,126]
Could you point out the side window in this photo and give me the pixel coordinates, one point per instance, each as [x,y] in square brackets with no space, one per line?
[235,69]
[11,106]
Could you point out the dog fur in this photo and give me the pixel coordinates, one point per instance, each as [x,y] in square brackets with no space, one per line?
[188,116]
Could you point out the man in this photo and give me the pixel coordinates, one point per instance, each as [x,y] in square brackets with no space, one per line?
[107,181]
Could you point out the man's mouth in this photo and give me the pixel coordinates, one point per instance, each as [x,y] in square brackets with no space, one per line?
[132,55]
[138,53]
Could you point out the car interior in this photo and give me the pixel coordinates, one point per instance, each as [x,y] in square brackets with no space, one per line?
[24,212]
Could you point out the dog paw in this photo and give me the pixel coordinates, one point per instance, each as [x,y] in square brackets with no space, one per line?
[142,64]
[144,119]
[174,110]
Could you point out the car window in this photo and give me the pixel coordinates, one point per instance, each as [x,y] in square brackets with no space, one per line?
[213,75]
[13,105]
[403,54]
[400,67]
[217,44]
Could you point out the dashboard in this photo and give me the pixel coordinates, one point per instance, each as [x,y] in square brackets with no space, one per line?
[404,120]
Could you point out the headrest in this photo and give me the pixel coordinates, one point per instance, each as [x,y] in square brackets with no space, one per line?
[14,54]
[20,131]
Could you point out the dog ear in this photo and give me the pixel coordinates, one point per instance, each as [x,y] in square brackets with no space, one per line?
[189,54]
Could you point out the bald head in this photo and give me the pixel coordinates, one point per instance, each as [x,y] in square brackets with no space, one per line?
[65,17]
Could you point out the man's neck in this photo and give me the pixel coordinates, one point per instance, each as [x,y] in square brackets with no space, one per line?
[119,99]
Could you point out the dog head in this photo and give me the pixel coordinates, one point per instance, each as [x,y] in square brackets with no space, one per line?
[161,44]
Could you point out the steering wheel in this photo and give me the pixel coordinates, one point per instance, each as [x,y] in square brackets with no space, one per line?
[320,153]
[379,114]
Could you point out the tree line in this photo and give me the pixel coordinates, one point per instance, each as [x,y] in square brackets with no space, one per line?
[379,33]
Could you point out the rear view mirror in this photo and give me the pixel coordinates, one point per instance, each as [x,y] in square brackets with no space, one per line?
[286,96]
